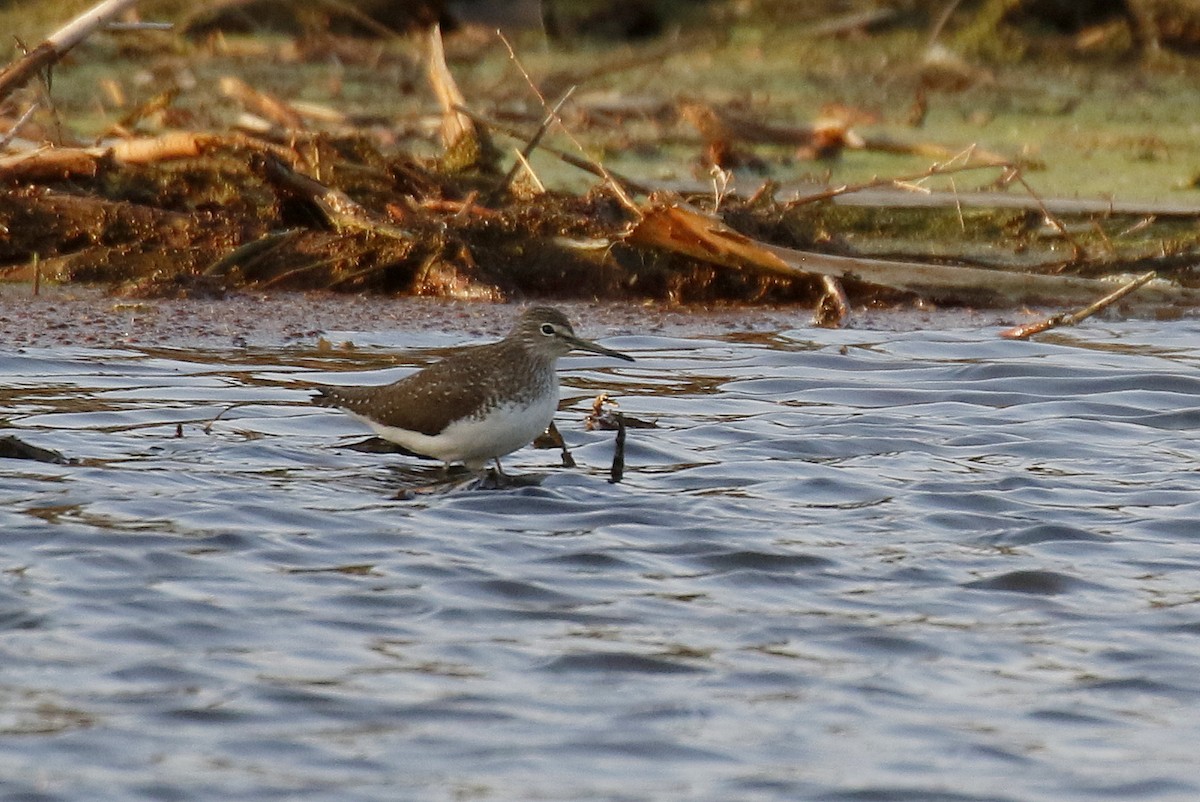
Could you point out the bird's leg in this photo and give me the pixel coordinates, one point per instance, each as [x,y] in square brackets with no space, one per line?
[499,470]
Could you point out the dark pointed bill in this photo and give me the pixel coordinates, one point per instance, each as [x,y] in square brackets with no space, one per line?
[595,348]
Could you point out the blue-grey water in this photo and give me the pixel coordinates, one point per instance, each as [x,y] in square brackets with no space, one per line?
[847,565]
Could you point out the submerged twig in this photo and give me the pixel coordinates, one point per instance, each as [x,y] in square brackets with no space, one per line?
[130,120]
[1071,318]
[207,428]
[882,194]
[126,27]
[848,23]
[834,306]
[552,438]
[617,471]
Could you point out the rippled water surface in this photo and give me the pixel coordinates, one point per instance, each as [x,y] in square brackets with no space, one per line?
[846,566]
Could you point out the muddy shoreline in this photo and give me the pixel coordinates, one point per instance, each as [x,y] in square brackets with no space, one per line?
[88,317]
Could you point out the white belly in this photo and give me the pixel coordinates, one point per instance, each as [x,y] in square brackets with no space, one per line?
[475,441]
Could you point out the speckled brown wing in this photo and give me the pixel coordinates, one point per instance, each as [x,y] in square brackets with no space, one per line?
[427,401]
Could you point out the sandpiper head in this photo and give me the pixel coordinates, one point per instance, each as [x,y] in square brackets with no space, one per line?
[547,330]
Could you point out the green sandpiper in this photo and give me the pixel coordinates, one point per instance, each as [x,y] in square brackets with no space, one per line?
[478,404]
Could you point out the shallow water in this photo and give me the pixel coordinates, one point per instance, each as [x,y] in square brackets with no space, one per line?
[846,566]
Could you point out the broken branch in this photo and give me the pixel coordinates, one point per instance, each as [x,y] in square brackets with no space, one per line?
[683,229]
[1071,318]
[57,44]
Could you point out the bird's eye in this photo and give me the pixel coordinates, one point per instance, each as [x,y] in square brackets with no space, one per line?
[547,329]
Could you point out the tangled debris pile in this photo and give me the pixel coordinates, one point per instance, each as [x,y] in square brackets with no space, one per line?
[301,196]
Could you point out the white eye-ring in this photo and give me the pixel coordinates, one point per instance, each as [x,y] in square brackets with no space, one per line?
[547,329]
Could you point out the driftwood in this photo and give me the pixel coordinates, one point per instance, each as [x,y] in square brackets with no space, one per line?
[677,227]
[602,65]
[51,164]
[12,447]
[58,44]
[172,145]
[958,284]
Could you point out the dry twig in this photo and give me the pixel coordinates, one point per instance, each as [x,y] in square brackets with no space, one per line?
[613,184]
[936,169]
[11,133]
[57,44]
[626,185]
[523,155]
[52,164]
[260,103]
[1026,331]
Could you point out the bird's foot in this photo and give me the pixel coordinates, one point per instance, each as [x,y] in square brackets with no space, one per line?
[493,479]
[435,481]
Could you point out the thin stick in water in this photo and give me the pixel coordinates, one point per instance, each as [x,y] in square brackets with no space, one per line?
[1027,330]
[617,472]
